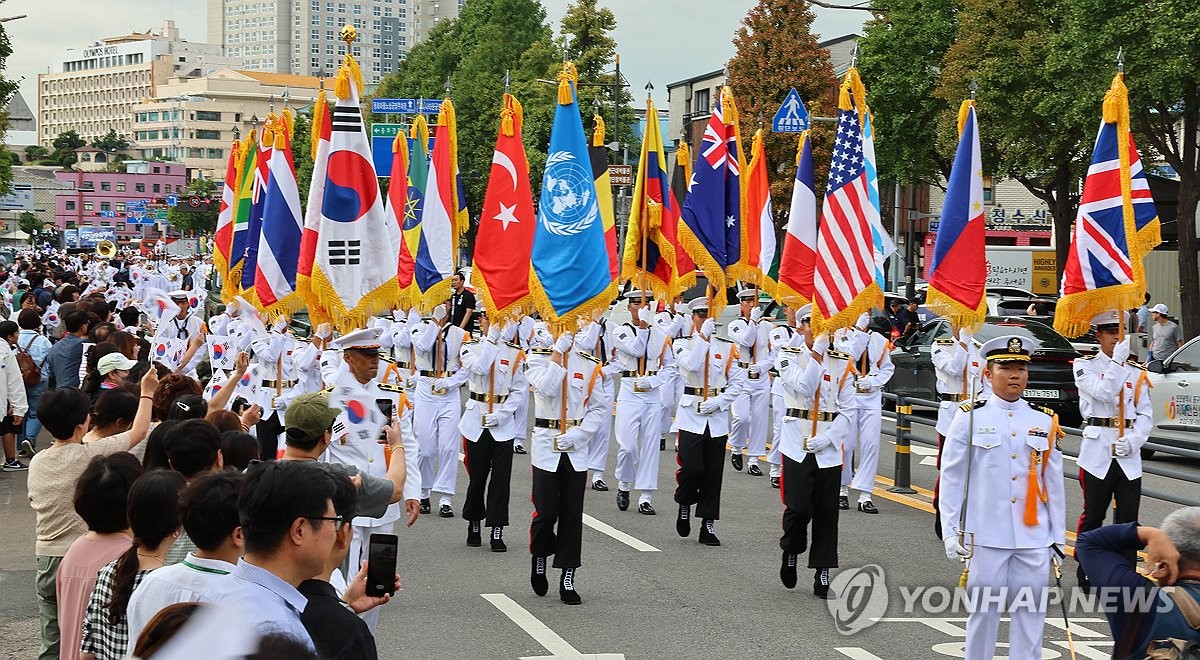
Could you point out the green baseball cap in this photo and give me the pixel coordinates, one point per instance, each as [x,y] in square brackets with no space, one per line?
[310,414]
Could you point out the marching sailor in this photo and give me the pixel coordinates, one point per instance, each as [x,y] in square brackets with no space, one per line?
[956,365]
[569,410]
[1012,520]
[782,336]
[646,360]
[437,406]
[1114,400]
[672,321]
[748,431]
[711,382]
[873,360]
[817,384]
[596,338]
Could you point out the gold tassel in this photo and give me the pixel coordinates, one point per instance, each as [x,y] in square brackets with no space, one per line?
[289,122]
[598,131]
[568,78]
[419,132]
[963,111]
[654,213]
[508,119]
[962,579]
[318,119]
[800,146]
[341,85]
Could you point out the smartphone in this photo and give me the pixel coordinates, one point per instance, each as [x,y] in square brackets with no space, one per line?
[381,565]
[386,406]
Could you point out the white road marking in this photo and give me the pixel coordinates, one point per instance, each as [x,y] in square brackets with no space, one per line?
[855,653]
[609,530]
[542,634]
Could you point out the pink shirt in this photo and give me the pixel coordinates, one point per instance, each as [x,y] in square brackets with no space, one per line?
[76,579]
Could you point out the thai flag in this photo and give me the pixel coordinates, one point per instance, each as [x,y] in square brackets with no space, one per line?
[279,240]
[444,217]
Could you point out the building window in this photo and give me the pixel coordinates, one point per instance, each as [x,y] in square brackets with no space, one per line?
[330,21]
[104,185]
[70,205]
[87,206]
[207,115]
[120,186]
[329,35]
[88,185]
[141,187]
[105,206]
[357,10]
[341,7]
[120,208]
[179,189]
[120,226]
[158,187]
[987,190]
[375,11]
[208,135]
[700,100]
[157,169]
[316,34]
[316,20]
[329,49]
[315,63]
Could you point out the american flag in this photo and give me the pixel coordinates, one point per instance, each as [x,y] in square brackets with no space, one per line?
[845,247]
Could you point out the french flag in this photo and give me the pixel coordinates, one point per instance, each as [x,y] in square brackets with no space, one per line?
[799,258]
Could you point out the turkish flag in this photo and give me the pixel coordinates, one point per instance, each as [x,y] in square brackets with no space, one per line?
[504,241]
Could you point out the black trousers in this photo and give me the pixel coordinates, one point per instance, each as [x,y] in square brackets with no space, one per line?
[483,457]
[558,504]
[810,494]
[1099,493]
[268,429]
[701,460]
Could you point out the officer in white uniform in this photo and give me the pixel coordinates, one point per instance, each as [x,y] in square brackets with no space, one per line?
[748,431]
[596,338]
[711,381]
[782,336]
[957,367]
[488,425]
[1005,451]
[437,405]
[525,339]
[817,385]
[182,326]
[1114,400]
[646,359]
[873,360]
[558,454]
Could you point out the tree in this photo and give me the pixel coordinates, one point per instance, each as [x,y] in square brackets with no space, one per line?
[1161,46]
[7,88]
[112,142]
[29,223]
[302,154]
[776,51]
[69,140]
[203,219]
[587,30]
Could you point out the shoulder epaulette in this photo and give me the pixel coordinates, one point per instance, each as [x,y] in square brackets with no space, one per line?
[327,390]
[541,351]
[470,340]
[721,339]
[1085,357]
[1044,409]
[588,356]
[944,341]
[516,346]
[1135,365]
[387,358]
[966,406]
[838,355]
[390,387]
[791,349]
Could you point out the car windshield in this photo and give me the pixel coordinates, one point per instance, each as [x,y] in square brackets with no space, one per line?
[1043,334]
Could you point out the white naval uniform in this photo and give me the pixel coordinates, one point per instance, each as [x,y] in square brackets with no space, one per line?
[955,366]
[1099,379]
[436,414]
[671,325]
[646,359]
[491,370]
[525,333]
[597,339]
[186,328]
[782,336]
[749,428]
[873,360]
[1006,438]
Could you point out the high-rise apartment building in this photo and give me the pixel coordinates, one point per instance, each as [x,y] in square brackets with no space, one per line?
[302,37]
[94,87]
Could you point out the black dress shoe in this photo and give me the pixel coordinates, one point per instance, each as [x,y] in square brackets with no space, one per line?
[566,588]
[867,507]
[843,502]
[646,509]
[821,583]
[708,534]
[473,534]
[683,523]
[774,482]
[498,540]
[754,471]
[537,576]
[623,500]
[446,511]
[787,570]
[662,443]
[599,485]
[519,449]
[425,506]
[736,460]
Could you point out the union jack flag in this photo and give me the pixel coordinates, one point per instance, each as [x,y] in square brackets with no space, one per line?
[845,268]
[1104,264]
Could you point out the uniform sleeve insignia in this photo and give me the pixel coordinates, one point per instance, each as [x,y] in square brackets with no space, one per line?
[965,406]
[791,349]
[783,363]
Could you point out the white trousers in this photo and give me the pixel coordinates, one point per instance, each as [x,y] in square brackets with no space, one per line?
[671,391]
[637,429]
[1015,580]
[778,406]
[360,543]
[863,440]
[748,426]
[521,415]
[597,458]
[436,425]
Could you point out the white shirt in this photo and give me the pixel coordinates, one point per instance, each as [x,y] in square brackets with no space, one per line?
[184,582]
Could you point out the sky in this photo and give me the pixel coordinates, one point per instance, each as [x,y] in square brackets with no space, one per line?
[660,41]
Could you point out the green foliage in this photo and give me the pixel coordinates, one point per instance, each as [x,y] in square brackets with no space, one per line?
[302,155]
[202,220]
[36,152]
[68,140]
[29,223]
[112,142]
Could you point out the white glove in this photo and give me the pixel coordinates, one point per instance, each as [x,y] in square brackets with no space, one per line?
[563,344]
[493,334]
[1124,447]
[709,407]
[863,321]
[756,314]
[1121,351]
[954,549]
[821,344]
[441,384]
[414,317]
[324,331]
[966,337]
[280,324]
[410,383]
[508,332]
[708,327]
[818,443]
[645,316]
[490,420]
[564,441]
[753,370]
[439,313]
[681,308]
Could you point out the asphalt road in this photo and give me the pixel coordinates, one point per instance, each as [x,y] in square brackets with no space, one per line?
[648,593]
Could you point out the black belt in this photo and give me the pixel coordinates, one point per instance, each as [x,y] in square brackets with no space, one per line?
[554,423]
[951,397]
[634,374]
[1110,422]
[433,374]
[699,391]
[822,416]
[403,365]
[280,384]
[488,398]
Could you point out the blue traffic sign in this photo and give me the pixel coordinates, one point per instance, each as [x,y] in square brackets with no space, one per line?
[792,116]
[172,200]
[406,106]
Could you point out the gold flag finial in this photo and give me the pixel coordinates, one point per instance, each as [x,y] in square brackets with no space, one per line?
[349,34]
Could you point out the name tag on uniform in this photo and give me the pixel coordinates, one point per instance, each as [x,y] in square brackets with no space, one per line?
[985,429]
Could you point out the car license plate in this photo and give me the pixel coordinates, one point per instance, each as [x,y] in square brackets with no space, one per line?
[1041,394]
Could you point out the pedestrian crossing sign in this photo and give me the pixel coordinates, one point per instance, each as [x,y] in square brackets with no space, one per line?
[792,116]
